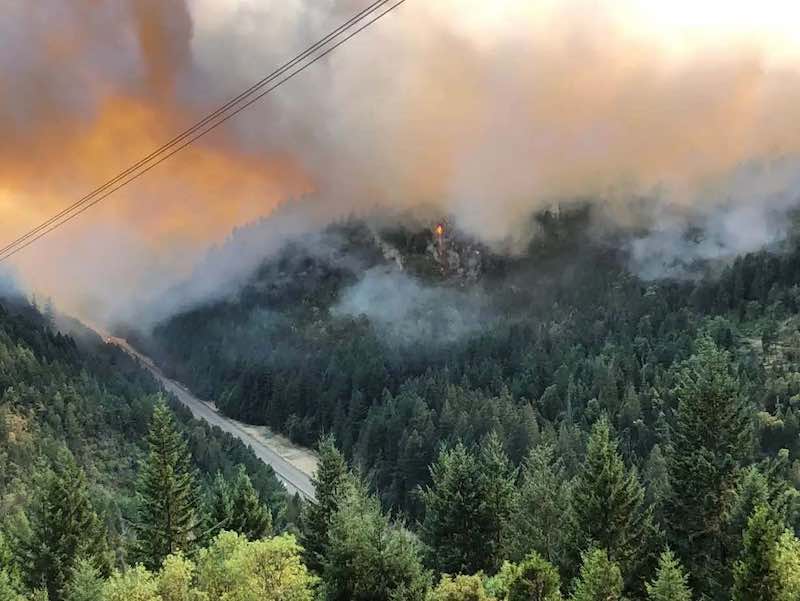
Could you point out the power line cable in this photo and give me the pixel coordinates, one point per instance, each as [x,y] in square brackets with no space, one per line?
[217,118]
[371,8]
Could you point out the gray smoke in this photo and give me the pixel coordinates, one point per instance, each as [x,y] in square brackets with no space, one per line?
[409,311]
[754,210]
[9,283]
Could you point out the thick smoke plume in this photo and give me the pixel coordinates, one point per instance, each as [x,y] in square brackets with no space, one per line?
[483,110]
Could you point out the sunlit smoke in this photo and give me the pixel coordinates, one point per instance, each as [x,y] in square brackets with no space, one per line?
[482,110]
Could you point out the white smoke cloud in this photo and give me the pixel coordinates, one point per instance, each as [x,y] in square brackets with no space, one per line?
[408,311]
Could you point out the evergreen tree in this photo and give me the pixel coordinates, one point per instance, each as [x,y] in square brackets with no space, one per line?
[169,512]
[671,582]
[219,503]
[250,516]
[710,438]
[600,578]
[235,506]
[539,522]
[7,590]
[454,510]
[85,583]
[755,575]
[608,502]
[64,529]
[331,481]
[370,559]
[468,507]
[535,579]
[497,483]
[655,477]
[787,564]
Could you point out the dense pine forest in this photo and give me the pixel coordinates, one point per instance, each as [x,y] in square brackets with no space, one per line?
[534,425]
[83,434]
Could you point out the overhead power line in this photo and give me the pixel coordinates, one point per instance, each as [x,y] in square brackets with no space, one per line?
[221,110]
[314,53]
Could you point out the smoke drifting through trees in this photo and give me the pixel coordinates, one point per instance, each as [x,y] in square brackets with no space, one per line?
[410,312]
[486,114]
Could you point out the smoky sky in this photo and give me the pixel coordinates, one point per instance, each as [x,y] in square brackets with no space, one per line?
[483,110]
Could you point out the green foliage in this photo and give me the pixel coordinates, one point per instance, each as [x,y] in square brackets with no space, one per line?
[535,579]
[232,568]
[64,528]
[671,583]
[236,506]
[169,513]
[175,580]
[235,569]
[497,485]
[459,588]
[134,584]
[655,477]
[79,393]
[369,558]
[567,335]
[331,482]
[755,575]
[710,438]
[539,522]
[219,503]
[497,585]
[85,583]
[787,567]
[468,507]
[8,591]
[600,579]
[608,502]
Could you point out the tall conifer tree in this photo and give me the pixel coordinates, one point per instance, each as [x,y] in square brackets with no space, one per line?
[671,582]
[608,502]
[170,518]
[235,506]
[64,529]
[600,578]
[756,577]
[539,522]
[467,508]
[710,438]
[331,482]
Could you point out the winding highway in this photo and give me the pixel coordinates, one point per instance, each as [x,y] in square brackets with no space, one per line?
[295,479]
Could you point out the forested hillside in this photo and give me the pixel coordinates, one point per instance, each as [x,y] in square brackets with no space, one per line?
[530,426]
[619,413]
[74,421]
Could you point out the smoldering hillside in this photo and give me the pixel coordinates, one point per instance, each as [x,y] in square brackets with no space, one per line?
[415,291]
[373,327]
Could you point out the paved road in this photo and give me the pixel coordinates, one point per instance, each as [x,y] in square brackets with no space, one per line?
[294,479]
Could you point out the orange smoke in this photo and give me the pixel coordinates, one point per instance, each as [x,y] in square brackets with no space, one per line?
[201,193]
[486,110]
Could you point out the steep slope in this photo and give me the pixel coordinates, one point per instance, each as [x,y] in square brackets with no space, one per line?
[399,352]
[77,392]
